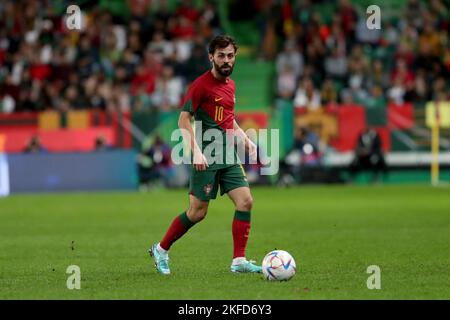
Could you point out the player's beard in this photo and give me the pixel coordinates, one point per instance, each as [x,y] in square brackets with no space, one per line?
[221,71]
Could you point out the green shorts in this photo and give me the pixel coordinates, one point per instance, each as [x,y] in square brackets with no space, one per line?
[205,184]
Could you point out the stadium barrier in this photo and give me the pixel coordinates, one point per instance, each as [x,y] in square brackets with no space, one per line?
[45,172]
[72,131]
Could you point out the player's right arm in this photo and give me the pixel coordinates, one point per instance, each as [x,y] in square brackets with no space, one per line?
[184,123]
[190,105]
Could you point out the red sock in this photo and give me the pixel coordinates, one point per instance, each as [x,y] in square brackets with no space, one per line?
[180,225]
[240,230]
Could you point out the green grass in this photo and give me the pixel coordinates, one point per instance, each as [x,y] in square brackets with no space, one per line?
[334,233]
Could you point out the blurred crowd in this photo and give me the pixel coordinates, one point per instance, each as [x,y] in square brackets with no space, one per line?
[324,62]
[145,59]
[138,61]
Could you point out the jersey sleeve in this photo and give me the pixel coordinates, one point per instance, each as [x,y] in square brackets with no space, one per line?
[192,99]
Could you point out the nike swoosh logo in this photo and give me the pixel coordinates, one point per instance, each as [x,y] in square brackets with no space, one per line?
[218,99]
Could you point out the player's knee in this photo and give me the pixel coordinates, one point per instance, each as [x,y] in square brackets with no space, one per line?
[246,203]
[197,214]
[201,214]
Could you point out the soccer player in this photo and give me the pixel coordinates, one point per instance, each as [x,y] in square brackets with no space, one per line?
[210,100]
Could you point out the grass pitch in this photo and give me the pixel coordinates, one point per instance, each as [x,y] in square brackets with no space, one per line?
[333,232]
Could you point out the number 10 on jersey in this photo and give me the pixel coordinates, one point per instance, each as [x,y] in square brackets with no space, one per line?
[218,116]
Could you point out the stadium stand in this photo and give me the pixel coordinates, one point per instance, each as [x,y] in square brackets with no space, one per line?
[123,75]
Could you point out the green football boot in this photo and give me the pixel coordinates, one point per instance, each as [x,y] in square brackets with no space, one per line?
[246,267]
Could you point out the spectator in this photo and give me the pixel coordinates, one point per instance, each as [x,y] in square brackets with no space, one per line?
[143,79]
[369,155]
[155,166]
[110,54]
[161,46]
[139,8]
[358,62]
[348,17]
[431,39]
[336,39]
[187,10]
[290,57]
[211,16]
[162,18]
[168,90]
[35,146]
[365,35]
[356,89]
[413,12]
[307,142]
[7,104]
[439,89]
[315,56]
[286,83]
[329,93]
[419,91]
[197,63]
[378,77]
[390,35]
[101,144]
[402,74]
[336,65]
[405,53]
[305,154]
[307,96]
[74,98]
[397,92]
[409,36]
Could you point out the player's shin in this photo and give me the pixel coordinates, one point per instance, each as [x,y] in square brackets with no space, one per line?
[179,226]
[240,230]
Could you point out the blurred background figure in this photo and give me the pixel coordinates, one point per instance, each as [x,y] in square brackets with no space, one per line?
[101,144]
[307,96]
[35,146]
[369,155]
[155,167]
[168,90]
[253,170]
[304,155]
[307,142]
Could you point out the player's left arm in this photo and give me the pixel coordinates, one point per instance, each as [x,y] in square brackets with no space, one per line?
[249,144]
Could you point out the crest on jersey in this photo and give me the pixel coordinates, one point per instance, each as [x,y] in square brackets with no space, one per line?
[207,188]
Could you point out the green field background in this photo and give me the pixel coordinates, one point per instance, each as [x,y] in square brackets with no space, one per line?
[333,232]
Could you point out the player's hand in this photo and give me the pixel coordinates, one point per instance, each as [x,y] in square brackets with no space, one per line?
[200,162]
[252,150]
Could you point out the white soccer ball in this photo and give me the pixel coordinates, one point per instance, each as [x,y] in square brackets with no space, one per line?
[278,265]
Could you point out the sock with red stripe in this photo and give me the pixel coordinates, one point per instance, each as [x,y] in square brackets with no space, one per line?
[180,225]
[240,230]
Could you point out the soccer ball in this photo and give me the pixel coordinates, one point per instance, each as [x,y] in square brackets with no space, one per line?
[278,265]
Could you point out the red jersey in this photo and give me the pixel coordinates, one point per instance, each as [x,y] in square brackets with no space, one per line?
[211,101]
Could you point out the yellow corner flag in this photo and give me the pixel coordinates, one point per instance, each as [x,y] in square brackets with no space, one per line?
[437,116]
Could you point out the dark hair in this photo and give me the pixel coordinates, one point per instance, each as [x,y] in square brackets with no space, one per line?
[221,42]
